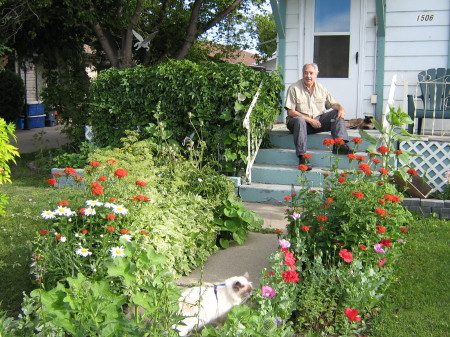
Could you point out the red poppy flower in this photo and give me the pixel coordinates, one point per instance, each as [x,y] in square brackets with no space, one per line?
[110,217]
[290,276]
[102,178]
[352,314]
[382,262]
[121,173]
[305,228]
[386,242]
[381,229]
[44,232]
[303,167]
[322,218]
[111,161]
[112,199]
[346,255]
[84,231]
[94,184]
[95,164]
[329,200]
[339,141]
[97,190]
[328,142]
[383,171]
[82,210]
[358,195]
[287,198]
[341,180]
[357,140]
[51,181]
[124,231]
[63,203]
[383,149]
[380,211]
[141,183]
[278,231]
[70,171]
[403,229]
[412,172]
[110,229]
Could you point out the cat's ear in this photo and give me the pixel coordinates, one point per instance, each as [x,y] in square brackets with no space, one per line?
[246,275]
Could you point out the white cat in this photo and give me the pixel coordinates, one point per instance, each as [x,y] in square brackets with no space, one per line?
[211,303]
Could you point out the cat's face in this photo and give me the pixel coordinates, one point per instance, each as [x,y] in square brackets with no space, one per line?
[240,287]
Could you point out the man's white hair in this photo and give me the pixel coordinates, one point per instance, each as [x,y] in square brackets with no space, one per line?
[314,65]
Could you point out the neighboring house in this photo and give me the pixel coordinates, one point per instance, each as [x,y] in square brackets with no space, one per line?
[360,45]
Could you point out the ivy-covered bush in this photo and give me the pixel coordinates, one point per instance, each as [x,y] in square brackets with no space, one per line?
[12,98]
[213,97]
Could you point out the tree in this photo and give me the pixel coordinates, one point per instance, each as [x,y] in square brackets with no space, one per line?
[58,26]
[263,29]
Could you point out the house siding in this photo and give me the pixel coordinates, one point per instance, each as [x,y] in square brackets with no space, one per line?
[411,45]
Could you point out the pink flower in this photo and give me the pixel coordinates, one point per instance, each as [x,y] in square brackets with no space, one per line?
[346,255]
[268,292]
[378,248]
[284,243]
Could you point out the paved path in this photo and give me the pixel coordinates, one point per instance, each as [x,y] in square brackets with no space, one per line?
[33,140]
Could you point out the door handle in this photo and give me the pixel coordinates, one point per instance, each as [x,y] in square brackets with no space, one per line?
[357,57]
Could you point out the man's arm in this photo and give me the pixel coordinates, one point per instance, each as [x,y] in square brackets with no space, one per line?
[340,110]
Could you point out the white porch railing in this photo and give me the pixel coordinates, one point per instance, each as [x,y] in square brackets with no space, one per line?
[253,140]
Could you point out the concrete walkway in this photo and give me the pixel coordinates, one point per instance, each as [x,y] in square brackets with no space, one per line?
[33,140]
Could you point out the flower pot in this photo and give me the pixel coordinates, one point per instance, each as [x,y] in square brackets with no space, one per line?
[417,187]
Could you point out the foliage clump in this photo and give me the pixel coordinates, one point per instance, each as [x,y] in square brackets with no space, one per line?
[12,99]
[184,95]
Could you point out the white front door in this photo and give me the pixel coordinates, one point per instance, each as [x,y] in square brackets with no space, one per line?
[332,40]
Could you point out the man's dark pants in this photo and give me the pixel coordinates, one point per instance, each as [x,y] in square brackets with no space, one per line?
[300,129]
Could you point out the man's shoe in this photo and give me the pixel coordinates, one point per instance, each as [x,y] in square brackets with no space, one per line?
[342,149]
[304,161]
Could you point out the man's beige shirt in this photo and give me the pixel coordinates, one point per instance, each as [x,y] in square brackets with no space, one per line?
[299,99]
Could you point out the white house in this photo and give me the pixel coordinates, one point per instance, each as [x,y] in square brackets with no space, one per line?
[360,45]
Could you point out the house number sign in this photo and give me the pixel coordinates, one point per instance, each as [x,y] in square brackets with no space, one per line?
[425,17]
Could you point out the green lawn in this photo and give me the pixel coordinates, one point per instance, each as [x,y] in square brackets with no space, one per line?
[418,303]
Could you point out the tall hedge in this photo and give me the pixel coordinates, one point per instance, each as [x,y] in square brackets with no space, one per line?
[211,92]
[12,95]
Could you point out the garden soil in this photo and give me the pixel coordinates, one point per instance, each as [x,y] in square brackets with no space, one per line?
[251,257]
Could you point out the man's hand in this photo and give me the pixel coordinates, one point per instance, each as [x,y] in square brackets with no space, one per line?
[340,110]
[314,123]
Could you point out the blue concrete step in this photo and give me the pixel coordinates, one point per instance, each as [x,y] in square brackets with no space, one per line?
[275,173]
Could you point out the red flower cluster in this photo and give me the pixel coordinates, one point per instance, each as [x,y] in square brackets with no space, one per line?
[383,149]
[357,140]
[306,156]
[393,198]
[124,231]
[141,183]
[305,228]
[289,275]
[70,171]
[346,255]
[96,188]
[322,218]
[63,203]
[110,217]
[95,164]
[120,173]
[303,167]
[111,161]
[365,168]
[341,180]
[380,211]
[403,229]
[376,161]
[381,229]
[51,181]
[102,178]
[383,171]
[141,198]
[412,172]
[328,142]
[358,195]
[352,314]
[386,242]
[382,262]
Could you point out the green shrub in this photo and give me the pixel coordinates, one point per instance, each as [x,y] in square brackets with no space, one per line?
[12,99]
[185,96]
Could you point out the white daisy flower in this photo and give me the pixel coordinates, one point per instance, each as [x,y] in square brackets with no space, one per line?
[119,209]
[89,211]
[117,252]
[94,203]
[63,211]
[48,215]
[126,237]
[84,252]
[108,205]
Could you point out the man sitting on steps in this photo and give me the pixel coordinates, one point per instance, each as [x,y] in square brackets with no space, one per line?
[312,109]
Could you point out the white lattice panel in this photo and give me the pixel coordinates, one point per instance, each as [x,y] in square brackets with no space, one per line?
[433,161]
